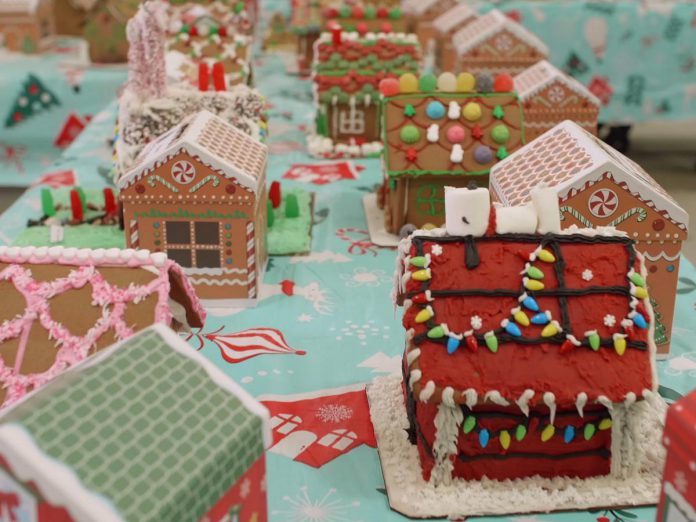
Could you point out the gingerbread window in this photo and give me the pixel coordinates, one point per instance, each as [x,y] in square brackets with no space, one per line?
[194,244]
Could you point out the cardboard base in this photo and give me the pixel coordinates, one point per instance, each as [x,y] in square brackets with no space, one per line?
[375,223]
[410,495]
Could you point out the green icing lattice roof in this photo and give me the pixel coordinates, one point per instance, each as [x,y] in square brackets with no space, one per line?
[146,428]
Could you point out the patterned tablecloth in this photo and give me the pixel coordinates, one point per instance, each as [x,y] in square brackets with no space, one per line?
[333,308]
[44,100]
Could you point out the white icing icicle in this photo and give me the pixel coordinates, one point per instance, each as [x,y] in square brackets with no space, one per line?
[580,403]
[454,111]
[523,401]
[412,356]
[604,401]
[630,399]
[414,378]
[433,133]
[457,154]
[495,397]
[471,398]
[550,401]
[427,391]
[447,422]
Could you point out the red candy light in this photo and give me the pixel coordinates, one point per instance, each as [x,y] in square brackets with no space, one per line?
[472,343]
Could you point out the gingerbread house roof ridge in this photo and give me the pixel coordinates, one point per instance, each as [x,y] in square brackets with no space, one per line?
[18,6]
[325,37]
[542,74]
[627,173]
[451,18]
[57,480]
[190,136]
[128,257]
[470,36]
[417,7]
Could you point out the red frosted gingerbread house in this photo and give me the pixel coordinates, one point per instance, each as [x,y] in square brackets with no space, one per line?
[549,95]
[526,353]
[496,44]
[316,427]
[198,194]
[445,27]
[599,186]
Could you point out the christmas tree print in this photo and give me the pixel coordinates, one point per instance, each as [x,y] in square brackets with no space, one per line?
[34,98]
[660,330]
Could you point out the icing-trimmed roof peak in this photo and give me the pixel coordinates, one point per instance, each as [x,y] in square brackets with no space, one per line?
[450,19]
[542,74]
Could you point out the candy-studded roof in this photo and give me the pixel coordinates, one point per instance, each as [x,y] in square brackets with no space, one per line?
[446,126]
[567,158]
[229,150]
[566,317]
[148,430]
[534,79]
[490,24]
[356,64]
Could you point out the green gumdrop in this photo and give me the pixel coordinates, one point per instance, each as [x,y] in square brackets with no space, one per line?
[270,214]
[395,13]
[410,134]
[409,111]
[520,432]
[500,134]
[370,12]
[427,83]
[239,7]
[47,206]
[292,207]
[345,11]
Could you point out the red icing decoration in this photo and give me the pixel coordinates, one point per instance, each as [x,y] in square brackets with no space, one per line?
[362,29]
[411,154]
[219,76]
[419,299]
[274,194]
[386,27]
[193,31]
[140,188]
[230,189]
[336,31]
[389,87]
[566,346]
[222,31]
[658,224]
[503,83]
[358,12]
[110,206]
[76,206]
[203,76]
[476,132]
[331,12]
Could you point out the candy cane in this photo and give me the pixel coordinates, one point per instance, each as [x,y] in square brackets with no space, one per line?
[210,177]
[642,215]
[151,181]
[577,215]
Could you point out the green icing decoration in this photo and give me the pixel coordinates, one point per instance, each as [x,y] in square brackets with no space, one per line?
[520,432]
[270,213]
[74,236]
[427,83]
[469,424]
[409,134]
[409,111]
[292,208]
[500,134]
[502,153]
[498,112]
[291,235]
[239,7]
[47,206]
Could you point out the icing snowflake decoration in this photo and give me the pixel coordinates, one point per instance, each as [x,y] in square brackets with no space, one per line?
[609,320]
[587,275]
[334,413]
[436,250]
[476,322]
[556,94]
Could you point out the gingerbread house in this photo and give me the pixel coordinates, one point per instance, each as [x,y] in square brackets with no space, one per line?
[306,24]
[148,430]
[61,305]
[420,15]
[527,354]
[198,194]
[26,25]
[550,96]
[495,43]
[598,186]
[346,73]
[444,27]
[442,131]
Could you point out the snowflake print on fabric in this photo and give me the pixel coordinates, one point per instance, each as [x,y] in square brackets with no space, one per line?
[334,413]
[328,508]
[609,320]
[304,318]
[364,277]
[353,330]
[587,275]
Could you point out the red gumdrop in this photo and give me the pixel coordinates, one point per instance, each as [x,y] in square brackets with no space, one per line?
[193,31]
[331,12]
[389,87]
[386,27]
[222,31]
[362,29]
[358,12]
[76,206]
[382,12]
[274,194]
[503,83]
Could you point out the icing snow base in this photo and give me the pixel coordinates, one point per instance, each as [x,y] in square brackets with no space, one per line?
[411,495]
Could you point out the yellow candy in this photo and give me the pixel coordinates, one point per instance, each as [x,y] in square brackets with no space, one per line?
[549,431]
[620,344]
[421,275]
[521,318]
[466,82]
[424,315]
[533,285]
[447,82]
[640,293]
[505,439]
[472,111]
[546,257]
[408,82]
[605,424]
[549,330]
[428,226]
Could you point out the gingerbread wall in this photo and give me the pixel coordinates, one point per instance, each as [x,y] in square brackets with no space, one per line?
[223,214]
[606,203]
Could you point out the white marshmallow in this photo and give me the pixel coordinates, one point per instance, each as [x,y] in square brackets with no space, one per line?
[545,201]
[467,211]
[515,220]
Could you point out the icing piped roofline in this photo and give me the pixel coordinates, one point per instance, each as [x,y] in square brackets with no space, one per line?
[18,6]
[542,74]
[84,256]
[477,31]
[453,17]
[417,7]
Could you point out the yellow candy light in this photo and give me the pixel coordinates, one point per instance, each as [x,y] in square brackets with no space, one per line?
[520,317]
[466,82]
[505,439]
[550,329]
[620,343]
[549,431]
[604,424]
[424,315]
[640,293]
[546,256]
[421,275]
[533,284]
[408,83]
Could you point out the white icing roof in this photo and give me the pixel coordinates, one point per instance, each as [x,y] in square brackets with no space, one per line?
[451,18]
[18,6]
[566,158]
[489,24]
[540,75]
[417,7]
[229,150]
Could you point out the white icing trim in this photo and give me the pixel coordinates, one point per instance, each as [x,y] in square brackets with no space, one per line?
[427,391]
[523,401]
[580,403]
[542,74]
[471,397]
[550,401]
[447,422]
[680,501]
[495,397]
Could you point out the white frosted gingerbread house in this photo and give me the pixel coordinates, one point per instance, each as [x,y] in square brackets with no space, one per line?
[198,194]
[599,186]
[495,43]
[549,95]
[445,27]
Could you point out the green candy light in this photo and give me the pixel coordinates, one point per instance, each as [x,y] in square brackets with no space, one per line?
[436,333]
[469,424]
[520,432]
